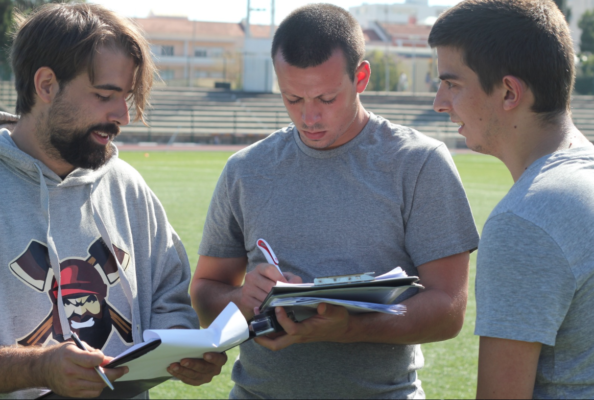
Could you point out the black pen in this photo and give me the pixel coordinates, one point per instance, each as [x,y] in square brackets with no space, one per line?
[99,370]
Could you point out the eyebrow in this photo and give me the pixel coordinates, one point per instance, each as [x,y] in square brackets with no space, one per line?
[448,77]
[108,86]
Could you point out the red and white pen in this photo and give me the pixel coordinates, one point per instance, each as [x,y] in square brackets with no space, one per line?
[268,253]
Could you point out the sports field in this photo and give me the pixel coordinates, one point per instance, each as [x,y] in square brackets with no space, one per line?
[184,182]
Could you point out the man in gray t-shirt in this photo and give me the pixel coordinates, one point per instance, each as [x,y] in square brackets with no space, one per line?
[340,192]
[535,267]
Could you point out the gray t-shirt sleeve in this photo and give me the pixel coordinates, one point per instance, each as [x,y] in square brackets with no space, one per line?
[439,223]
[222,236]
[524,285]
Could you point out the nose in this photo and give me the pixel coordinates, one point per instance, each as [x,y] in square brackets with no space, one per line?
[441,103]
[310,114]
[120,114]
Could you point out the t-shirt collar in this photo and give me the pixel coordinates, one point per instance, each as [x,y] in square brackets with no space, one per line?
[367,129]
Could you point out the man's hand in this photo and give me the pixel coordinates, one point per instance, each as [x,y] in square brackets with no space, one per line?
[195,372]
[329,325]
[258,284]
[69,371]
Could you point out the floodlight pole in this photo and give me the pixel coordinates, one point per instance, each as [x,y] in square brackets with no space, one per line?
[271,18]
[247,20]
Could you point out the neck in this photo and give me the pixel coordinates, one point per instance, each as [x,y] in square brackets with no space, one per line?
[28,138]
[533,139]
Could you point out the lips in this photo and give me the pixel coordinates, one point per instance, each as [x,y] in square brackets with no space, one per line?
[314,135]
[101,137]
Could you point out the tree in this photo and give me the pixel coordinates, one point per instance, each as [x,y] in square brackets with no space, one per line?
[586,24]
[7,8]
[562,4]
[377,61]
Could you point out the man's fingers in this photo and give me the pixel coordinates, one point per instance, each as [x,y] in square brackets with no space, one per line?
[115,373]
[218,359]
[287,323]
[277,343]
[194,371]
[292,278]
[84,358]
[270,272]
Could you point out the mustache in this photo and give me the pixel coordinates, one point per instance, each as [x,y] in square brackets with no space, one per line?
[313,128]
[109,128]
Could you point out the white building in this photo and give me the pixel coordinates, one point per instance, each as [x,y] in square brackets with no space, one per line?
[578,7]
[410,12]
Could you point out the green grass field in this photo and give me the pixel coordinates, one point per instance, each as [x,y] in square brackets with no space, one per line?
[184,182]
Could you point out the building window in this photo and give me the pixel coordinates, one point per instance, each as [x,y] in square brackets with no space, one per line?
[167,51]
[201,53]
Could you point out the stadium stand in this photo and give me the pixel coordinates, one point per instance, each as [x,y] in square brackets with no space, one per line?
[193,115]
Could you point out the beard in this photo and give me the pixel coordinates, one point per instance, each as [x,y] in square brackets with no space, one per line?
[78,149]
[65,139]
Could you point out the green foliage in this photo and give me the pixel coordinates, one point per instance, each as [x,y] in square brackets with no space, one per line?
[184,183]
[586,24]
[7,8]
[378,62]
[562,4]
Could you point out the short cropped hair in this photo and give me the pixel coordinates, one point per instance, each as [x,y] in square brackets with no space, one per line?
[528,39]
[310,34]
[66,38]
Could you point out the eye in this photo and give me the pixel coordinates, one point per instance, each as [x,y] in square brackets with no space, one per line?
[102,98]
[328,101]
[293,101]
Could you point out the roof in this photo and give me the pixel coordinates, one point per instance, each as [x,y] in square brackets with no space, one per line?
[371,36]
[406,30]
[159,25]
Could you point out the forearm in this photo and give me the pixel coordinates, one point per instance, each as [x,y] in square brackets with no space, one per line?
[431,316]
[21,368]
[210,297]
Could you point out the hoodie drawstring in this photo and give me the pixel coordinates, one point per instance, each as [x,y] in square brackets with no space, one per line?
[53,256]
[125,282]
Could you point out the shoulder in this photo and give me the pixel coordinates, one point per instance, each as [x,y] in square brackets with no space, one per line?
[559,185]
[125,178]
[125,172]
[263,155]
[554,198]
[401,138]
[401,151]
[389,141]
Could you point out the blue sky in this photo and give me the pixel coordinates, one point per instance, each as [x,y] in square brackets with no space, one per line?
[227,10]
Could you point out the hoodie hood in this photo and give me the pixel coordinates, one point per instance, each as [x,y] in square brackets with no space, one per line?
[37,173]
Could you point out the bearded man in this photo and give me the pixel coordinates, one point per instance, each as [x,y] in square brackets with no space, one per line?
[86,246]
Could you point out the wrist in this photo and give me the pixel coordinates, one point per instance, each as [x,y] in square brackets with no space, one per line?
[350,334]
[41,366]
[237,298]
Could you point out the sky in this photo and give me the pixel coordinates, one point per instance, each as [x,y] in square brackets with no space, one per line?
[229,10]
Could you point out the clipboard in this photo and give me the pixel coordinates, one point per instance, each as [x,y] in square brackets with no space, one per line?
[383,291]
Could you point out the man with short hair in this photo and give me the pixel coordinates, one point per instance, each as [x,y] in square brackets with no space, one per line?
[341,191]
[507,71]
[86,246]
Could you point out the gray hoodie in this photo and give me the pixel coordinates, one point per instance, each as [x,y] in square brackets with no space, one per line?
[121,266]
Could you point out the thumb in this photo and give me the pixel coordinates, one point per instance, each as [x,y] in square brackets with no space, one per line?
[322,308]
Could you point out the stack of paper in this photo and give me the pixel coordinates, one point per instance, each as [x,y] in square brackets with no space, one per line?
[377,295]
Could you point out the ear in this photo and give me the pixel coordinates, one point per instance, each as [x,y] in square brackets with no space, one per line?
[46,84]
[362,75]
[514,92]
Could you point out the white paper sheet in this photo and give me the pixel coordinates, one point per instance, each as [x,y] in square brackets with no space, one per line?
[354,307]
[395,273]
[228,330]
